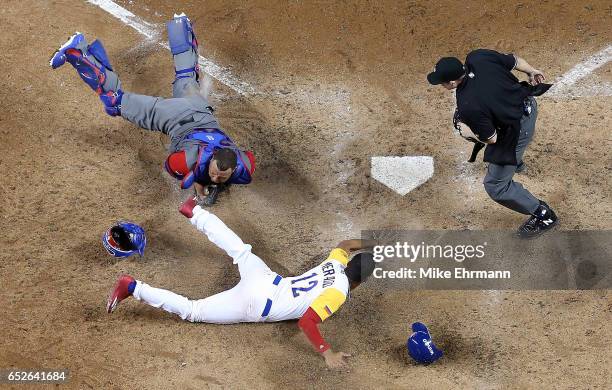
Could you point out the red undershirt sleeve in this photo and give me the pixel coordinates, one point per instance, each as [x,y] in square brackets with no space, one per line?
[309,325]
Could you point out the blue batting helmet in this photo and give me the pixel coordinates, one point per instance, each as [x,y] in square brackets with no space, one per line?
[420,347]
[124,239]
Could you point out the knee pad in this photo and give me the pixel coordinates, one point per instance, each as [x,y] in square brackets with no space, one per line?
[180,35]
[96,49]
[112,102]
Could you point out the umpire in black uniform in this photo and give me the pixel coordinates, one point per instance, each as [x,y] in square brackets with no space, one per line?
[496,110]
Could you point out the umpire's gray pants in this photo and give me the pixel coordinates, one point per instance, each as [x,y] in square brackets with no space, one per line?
[498,181]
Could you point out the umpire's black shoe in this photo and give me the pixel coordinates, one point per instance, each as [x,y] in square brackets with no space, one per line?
[543,220]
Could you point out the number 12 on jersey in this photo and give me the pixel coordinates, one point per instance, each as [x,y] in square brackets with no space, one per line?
[311,284]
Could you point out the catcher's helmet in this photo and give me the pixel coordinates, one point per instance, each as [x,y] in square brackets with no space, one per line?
[420,347]
[124,239]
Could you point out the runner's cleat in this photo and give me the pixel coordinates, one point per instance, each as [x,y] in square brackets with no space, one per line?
[119,292]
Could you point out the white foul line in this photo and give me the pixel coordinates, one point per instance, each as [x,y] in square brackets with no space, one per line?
[582,70]
[150,31]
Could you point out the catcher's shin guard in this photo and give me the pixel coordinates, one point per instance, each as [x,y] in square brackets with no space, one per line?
[182,39]
[91,65]
[92,74]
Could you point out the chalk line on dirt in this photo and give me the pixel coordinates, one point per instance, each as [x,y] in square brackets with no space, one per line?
[152,32]
[580,71]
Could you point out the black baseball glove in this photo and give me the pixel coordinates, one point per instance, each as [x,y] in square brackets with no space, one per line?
[212,193]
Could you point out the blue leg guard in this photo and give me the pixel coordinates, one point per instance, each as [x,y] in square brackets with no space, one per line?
[91,73]
[182,40]
[92,67]
[180,35]
[96,49]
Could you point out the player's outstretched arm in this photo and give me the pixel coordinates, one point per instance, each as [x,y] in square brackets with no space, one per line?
[309,325]
[216,231]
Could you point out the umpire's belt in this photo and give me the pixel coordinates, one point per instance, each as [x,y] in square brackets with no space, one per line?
[266,309]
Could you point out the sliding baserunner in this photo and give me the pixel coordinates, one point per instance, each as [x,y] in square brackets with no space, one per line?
[261,295]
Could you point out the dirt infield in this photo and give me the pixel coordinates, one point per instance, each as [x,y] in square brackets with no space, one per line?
[335,83]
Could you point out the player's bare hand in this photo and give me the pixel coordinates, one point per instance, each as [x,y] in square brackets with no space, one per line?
[336,360]
[536,77]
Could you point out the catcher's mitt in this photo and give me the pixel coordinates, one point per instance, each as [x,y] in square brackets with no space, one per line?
[211,194]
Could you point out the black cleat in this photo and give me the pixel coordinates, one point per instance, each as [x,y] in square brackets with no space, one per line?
[544,219]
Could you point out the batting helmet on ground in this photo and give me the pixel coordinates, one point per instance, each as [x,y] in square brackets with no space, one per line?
[125,239]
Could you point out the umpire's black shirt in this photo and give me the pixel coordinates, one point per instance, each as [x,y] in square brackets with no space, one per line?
[490,101]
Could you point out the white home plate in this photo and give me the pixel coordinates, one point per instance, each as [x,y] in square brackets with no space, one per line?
[402,174]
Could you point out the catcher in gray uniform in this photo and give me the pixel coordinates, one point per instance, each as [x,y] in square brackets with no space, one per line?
[200,152]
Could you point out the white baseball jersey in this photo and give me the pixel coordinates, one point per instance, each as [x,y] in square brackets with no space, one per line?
[323,288]
[261,295]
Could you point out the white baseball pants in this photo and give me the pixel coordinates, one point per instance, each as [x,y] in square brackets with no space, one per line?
[245,302]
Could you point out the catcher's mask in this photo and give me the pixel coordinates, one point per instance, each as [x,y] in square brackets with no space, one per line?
[124,239]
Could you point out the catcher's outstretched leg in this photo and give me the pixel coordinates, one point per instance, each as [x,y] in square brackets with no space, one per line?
[93,66]
[184,48]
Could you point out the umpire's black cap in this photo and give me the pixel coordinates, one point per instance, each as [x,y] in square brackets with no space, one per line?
[447,69]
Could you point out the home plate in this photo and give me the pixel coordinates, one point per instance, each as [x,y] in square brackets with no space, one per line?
[402,174]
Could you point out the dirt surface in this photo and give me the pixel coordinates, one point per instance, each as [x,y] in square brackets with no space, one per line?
[336,83]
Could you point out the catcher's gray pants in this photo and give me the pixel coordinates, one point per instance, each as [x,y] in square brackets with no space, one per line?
[498,181]
[176,116]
